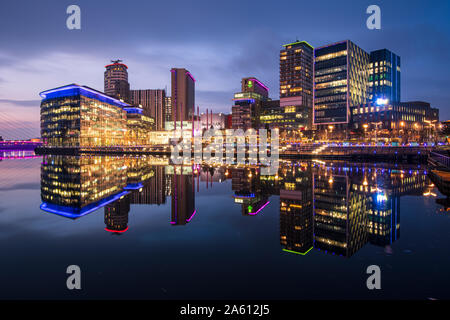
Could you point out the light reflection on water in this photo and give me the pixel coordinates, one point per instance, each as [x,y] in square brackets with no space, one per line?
[310,210]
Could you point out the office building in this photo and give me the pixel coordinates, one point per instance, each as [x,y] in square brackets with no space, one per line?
[152,102]
[296,85]
[413,115]
[384,76]
[139,128]
[79,116]
[285,118]
[183,96]
[247,106]
[116,81]
[168,109]
[341,80]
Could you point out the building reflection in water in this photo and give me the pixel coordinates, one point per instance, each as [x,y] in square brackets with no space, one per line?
[116,215]
[335,208]
[340,213]
[73,186]
[296,212]
[183,195]
[351,206]
[248,190]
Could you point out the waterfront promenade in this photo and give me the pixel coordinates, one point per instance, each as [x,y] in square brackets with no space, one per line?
[294,151]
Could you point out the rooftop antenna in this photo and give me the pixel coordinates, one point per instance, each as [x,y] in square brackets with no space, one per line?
[116,61]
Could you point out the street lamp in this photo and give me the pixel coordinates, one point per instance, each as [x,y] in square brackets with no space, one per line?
[432,125]
[376,129]
[402,124]
[365,126]
[331,130]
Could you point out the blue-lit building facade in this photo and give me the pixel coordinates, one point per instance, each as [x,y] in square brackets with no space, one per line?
[79,116]
[384,76]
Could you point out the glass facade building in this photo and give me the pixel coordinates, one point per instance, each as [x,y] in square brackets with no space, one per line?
[341,80]
[290,117]
[78,116]
[403,115]
[384,76]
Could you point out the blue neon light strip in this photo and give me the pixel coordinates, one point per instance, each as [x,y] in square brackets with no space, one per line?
[133,110]
[74,212]
[75,89]
[249,100]
[133,186]
[237,195]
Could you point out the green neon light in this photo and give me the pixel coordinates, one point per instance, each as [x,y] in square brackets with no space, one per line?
[298,42]
[250,208]
[250,84]
[290,251]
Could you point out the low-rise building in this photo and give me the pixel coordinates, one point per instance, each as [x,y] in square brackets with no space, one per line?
[79,116]
[414,115]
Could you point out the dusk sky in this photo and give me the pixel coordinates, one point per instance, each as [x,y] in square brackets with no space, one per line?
[219,42]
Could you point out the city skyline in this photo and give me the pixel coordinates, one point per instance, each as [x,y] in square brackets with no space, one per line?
[38,63]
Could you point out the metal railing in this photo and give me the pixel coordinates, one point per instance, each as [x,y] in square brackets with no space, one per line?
[440,158]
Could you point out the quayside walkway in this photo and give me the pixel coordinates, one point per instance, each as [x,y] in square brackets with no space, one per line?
[439,173]
[358,152]
[297,151]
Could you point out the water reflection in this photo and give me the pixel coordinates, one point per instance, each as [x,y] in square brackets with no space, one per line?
[336,207]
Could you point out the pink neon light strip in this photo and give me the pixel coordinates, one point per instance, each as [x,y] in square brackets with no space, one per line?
[195,211]
[255,213]
[190,75]
[260,83]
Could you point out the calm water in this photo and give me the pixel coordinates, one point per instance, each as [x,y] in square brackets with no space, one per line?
[140,228]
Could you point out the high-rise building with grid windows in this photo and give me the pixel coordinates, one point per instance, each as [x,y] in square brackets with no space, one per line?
[384,76]
[296,84]
[341,80]
[152,102]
